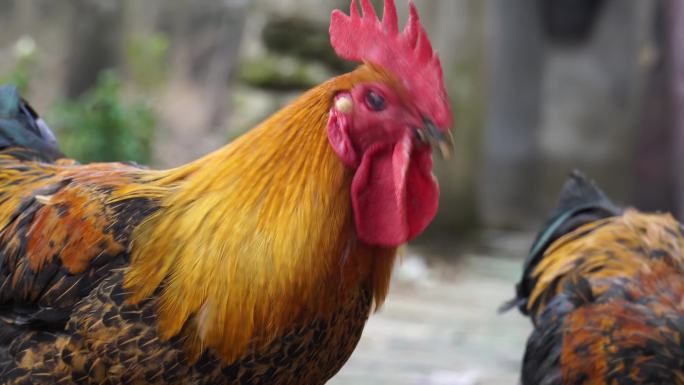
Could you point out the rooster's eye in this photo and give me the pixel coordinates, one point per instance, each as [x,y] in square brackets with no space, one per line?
[375,101]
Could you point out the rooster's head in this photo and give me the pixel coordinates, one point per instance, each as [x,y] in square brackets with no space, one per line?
[385,124]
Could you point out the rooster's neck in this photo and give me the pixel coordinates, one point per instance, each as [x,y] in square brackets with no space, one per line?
[263,225]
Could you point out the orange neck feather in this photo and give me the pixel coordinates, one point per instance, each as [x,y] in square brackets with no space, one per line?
[257,236]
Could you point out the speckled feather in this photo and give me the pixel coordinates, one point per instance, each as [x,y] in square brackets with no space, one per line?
[110,342]
[607,302]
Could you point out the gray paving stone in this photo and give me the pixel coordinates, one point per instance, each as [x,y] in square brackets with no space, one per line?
[441,327]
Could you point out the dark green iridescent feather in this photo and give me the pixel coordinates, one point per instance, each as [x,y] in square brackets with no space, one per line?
[581,201]
[20,126]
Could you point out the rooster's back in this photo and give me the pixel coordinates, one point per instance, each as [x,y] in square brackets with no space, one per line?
[603,289]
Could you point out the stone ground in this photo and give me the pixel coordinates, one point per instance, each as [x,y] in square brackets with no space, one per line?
[440,324]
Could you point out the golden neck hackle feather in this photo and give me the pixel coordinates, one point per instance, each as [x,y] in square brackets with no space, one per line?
[277,244]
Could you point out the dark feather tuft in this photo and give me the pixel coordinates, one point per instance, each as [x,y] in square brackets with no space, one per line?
[581,201]
[21,127]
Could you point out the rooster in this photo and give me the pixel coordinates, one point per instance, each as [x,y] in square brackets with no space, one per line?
[256,264]
[604,289]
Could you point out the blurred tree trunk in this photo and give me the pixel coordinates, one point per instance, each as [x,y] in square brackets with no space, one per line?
[204,39]
[457,31]
[677,50]
[208,38]
[592,100]
[655,170]
[95,42]
[511,150]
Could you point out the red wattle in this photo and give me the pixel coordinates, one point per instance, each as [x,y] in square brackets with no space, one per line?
[394,194]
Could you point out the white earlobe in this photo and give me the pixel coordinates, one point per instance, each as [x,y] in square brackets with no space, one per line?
[344,105]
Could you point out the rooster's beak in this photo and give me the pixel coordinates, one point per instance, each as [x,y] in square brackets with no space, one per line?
[441,140]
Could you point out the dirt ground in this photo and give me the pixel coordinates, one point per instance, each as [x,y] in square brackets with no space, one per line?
[440,325]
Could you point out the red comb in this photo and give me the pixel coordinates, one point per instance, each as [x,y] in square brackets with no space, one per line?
[408,54]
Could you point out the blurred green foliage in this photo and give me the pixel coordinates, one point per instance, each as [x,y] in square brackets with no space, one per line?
[19,77]
[104,125]
[281,73]
[24,52]
[147,60]
[303,39]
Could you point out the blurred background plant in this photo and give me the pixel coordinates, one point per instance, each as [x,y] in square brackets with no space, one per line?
[147,60]
[103,125]
[24,54]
